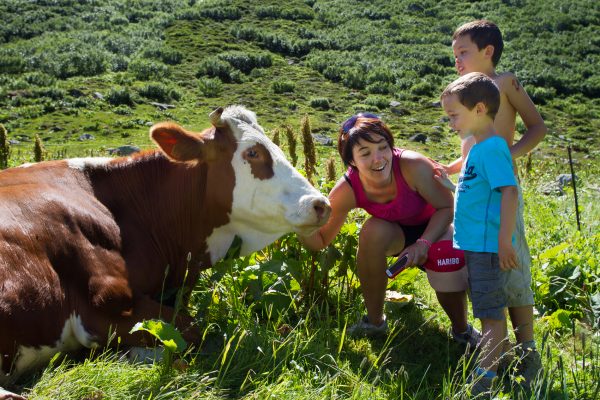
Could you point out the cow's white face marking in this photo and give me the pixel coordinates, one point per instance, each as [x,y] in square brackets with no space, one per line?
[263,209]
[73,336]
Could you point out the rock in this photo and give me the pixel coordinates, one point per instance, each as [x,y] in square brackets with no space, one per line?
[123,150]
[162,106]
[444,119]
[394,103]
[98,95]
[86,136]
[419,137]
[558,186]
[13,141]
[323,139]
[436,104]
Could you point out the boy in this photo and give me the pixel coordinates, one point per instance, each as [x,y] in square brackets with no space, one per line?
[484,213]
[477,47]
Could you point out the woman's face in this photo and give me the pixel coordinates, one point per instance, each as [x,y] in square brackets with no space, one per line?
[373,160]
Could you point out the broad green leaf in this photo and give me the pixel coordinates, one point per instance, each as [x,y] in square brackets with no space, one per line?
[166,333]
[554,251]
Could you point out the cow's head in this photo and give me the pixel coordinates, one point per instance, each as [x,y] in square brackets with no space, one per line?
[270,197]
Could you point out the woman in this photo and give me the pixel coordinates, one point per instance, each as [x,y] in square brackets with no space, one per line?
[409,211]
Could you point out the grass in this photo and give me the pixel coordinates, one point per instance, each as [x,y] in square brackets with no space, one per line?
[267,337]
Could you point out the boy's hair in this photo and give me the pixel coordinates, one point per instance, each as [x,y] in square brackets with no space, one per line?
[483,33]
[474,88]
[362,128]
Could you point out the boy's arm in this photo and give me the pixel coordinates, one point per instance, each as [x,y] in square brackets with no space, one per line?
[508,217]
[536,129]
[465,146]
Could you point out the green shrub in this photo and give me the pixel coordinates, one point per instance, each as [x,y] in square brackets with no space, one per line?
[283,86]
[246,62]
[120,96]
[377,101]
[165,54]
[214,67]
[39,79]
[320,103]
[423,88]
[210,87]
[65,58]
[11,63]
[145,70]
[221,13]
[159,92]
[541,95]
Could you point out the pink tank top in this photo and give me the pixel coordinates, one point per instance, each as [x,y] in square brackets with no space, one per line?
[407,208]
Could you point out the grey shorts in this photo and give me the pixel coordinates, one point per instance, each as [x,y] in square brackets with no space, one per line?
[517,282]
[486,285]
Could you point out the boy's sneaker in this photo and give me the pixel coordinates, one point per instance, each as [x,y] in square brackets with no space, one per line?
[470,337]
[364,328]
[529,366]
[482,386]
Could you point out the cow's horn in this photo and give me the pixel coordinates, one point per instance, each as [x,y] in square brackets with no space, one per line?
[215,117]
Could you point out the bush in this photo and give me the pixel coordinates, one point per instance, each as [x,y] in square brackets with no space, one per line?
[320,102]
[377,101]
[215,68]
[210,87]
[221,13]
[73,59]
[423,88]
[283,86]
[541,95]
[11,64]
[120,96]
[246,62]
[158,92]
[165,54]
[145,70]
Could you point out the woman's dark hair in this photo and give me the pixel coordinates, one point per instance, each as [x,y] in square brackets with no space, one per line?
[363,128]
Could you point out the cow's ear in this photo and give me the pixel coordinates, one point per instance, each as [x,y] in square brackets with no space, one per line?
[177,143]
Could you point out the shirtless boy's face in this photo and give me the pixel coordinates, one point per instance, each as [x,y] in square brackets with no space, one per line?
[468,58]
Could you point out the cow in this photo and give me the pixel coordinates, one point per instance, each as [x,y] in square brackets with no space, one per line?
[87,245]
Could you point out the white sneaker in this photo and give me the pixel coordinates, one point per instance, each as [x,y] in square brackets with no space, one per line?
[364,328]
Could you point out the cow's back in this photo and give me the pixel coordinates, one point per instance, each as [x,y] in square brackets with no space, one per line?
[48,215]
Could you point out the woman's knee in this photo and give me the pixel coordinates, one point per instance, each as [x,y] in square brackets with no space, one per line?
[378,233]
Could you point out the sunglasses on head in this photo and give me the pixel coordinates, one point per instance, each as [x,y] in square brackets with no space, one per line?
[349,123]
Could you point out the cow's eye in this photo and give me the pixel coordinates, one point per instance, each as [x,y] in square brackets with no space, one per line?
[252,153]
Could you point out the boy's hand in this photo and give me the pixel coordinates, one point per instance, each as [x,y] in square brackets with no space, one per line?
[440,174]
[507,256]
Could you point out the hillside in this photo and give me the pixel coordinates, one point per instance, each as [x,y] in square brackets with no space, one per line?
[86,76]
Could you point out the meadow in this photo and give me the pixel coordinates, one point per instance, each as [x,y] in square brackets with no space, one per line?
[83,77]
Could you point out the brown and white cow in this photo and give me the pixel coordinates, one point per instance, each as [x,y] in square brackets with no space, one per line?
[84,243]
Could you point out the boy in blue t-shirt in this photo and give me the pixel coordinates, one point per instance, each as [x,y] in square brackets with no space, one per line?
[484,213]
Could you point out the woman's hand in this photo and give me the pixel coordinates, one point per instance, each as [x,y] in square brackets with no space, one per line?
[416,253]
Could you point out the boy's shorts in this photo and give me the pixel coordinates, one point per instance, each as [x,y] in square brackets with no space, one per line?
[486,285]
[517,282]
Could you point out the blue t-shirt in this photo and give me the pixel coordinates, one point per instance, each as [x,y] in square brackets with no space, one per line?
[487,168]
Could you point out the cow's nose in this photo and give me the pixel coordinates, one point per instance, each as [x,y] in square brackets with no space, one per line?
[322,209]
